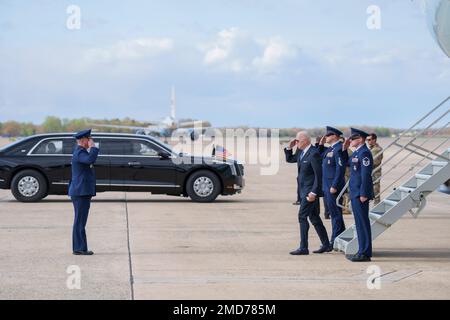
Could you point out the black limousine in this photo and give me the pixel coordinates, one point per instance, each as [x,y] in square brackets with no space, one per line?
[40,165]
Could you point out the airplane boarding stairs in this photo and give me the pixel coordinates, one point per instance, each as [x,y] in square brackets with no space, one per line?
[411,195]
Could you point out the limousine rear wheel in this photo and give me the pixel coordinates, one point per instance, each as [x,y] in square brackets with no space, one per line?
[203,186]
[29,186]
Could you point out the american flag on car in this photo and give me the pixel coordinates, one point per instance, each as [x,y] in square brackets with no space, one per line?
[220,152]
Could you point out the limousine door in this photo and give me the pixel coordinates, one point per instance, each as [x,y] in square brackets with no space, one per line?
[48,154]
[101,166]
[136,165]
[55,156]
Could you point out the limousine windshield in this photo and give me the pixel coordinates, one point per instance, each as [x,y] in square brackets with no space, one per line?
[11,144]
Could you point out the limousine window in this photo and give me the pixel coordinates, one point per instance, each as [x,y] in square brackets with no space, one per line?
[129,148]
[70,144]
[49,147]
[142,148]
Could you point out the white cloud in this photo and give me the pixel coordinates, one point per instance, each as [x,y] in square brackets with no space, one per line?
[234,50]
[222,47]
[276,52]
[128,50]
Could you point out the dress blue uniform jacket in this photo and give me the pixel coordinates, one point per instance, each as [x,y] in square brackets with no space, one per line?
[309,171]
[361,166]
[83,174]
[333,167]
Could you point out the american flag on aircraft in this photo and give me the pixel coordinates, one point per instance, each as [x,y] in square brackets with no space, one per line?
[220,152]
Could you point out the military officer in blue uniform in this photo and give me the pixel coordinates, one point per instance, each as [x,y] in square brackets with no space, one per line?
[333,177]
[361,192]
[82,188]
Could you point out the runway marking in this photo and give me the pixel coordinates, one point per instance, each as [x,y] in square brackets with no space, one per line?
[130,264]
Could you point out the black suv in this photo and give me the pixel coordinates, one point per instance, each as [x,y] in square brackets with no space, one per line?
[41,165]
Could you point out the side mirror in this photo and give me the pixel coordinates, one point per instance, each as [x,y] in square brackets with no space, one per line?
[163,154]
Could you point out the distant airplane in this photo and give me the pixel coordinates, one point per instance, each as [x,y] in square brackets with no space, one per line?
[167,126]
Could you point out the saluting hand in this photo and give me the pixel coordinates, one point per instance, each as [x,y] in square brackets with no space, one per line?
[91,143]
[292,143]
[346,144]
[322,140]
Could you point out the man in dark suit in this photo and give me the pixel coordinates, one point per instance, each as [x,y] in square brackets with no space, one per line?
[361,192]
[82,188]
[310,188]
[293,159]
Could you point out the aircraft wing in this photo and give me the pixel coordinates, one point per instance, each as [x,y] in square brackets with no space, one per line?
[122,127]
[192,124]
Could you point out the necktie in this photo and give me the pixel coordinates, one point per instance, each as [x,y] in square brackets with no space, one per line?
[302,154]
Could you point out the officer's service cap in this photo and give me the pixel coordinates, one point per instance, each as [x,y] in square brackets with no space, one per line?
[356,133]
[333,131]
[82,134]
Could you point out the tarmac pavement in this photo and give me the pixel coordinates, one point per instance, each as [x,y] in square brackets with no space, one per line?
[161,247]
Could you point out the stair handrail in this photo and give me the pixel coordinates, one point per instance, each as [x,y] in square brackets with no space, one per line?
[394,142]
[413,151]
[430,152]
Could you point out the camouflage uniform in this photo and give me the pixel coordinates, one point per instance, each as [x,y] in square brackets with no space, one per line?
[346,197]
[376,149]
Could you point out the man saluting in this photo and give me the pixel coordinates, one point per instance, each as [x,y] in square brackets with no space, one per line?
[82,188]
[309,182]
[333,180]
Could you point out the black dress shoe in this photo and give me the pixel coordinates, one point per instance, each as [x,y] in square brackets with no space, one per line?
[300,252]
[83,253]
[351,256]
[323,249]
[360,258]
[296,203]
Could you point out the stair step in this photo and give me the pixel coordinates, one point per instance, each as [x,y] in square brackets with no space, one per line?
[423,176]
[346,240]
[439,163]
[406,189]
[383,215]
[375,216]
[390,202]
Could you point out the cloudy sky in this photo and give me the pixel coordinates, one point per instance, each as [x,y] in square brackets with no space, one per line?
[268,63]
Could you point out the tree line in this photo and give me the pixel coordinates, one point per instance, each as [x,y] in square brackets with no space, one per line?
[54,124]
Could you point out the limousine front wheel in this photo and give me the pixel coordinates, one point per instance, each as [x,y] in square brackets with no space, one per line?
[203,186]
[29,186]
